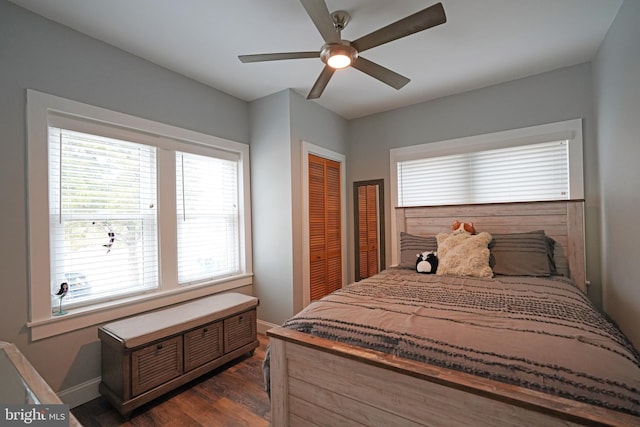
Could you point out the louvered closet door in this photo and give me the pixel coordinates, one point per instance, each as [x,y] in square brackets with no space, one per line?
[368,230]
[325,233]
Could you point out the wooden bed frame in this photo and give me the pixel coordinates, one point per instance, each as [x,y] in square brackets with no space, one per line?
[315,381]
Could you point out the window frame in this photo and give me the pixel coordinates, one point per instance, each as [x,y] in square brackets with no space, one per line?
[168,139]
[570,130]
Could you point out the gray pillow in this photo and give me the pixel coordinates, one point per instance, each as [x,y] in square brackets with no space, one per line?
[522,254]
[411,246]
[551,247]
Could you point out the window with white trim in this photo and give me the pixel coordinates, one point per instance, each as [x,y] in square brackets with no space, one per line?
[132,214]
[532,164]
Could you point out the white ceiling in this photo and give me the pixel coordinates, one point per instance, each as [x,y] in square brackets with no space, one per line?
[483,42]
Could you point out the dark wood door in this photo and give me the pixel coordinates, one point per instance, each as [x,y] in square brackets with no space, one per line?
[368,230]
[369,227]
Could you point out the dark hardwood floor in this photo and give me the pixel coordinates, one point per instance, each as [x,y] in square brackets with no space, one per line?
[232,395]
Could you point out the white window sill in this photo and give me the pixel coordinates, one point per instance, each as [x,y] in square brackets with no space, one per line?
[83,317]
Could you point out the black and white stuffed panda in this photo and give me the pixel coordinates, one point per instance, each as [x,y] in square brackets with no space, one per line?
[427,262]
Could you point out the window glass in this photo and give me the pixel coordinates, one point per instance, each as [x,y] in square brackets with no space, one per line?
[531,172]
[103,217]
[207,217]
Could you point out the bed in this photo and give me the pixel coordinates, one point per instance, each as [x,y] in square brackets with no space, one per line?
[403,348]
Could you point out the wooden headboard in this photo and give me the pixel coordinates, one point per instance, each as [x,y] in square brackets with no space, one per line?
[563,220]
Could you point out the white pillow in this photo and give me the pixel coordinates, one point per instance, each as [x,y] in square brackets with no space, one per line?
[464,255]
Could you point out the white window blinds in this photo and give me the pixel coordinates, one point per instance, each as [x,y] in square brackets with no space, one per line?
[207,217]
[521,173]
[103,233]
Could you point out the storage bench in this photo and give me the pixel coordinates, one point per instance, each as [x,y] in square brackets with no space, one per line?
[147,355]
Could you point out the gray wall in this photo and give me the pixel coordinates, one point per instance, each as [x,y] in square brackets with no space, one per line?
[271,206]
[617,106]
[39,54]
[558,95]
[279,124]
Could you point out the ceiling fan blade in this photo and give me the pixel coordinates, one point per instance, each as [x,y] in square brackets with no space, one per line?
[427,18]
[321,83]
[385,75]
[277,56]
[319,14]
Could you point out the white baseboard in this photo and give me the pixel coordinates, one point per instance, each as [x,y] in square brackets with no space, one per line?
[263,326]
[81,393]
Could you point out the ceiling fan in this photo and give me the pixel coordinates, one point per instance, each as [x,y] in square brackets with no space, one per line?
[337,53]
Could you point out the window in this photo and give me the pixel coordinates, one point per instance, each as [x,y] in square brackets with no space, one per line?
[532,164]
[522,173]
[207,206]
[131,213]
[103,218]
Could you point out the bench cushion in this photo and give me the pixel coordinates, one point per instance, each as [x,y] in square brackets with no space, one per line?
[145,328]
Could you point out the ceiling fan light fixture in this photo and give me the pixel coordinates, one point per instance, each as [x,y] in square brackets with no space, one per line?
[339,61]
[338,55]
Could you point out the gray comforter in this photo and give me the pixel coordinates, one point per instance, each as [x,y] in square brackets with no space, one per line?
[539,333]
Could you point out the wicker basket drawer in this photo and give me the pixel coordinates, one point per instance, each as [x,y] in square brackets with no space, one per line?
[155,364]
[202,345]
[239,330]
